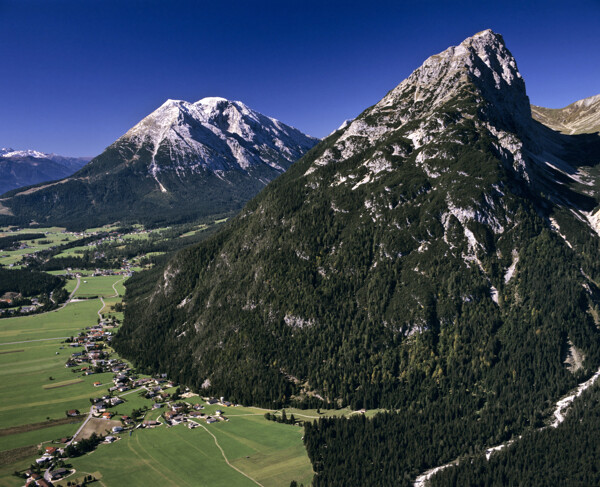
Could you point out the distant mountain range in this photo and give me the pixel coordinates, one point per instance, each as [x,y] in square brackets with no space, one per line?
[581,117]
[183,161]
[27,167]
[436,257]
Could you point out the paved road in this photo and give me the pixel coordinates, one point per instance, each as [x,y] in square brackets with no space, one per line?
[81,427]
[72,293]
[70,296]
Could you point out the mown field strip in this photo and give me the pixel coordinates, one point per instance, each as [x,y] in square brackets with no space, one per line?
[62,384]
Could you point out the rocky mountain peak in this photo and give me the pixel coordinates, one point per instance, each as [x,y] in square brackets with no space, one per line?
[11,153]
[214,134]
[482,61]
[587,102]
[478,80]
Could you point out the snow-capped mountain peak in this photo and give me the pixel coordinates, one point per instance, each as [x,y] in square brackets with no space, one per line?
[212,101]
[20,168]
[183,161]
[214,134]
[7,152]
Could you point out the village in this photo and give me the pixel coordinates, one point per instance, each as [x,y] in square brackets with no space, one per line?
[91,417]
[170,406]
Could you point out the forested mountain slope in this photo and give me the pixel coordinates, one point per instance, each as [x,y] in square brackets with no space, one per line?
[436,257]
[183,161]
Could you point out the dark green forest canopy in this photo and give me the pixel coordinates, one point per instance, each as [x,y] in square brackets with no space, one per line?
[28,282]
[563,456]
[409,262]
[308,282]
[10,241]
[128,195]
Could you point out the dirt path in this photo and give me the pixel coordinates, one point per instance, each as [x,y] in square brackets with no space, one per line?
[103,306]
[559,414]
[116,295]
[225,458]
[147,462]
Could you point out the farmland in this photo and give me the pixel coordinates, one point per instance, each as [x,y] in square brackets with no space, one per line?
[34,376]
[53,236]
[98,286]
[270,453]
[36,389]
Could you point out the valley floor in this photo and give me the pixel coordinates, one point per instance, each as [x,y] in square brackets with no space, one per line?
[37,389]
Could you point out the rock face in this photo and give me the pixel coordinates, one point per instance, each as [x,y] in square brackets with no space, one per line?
[581,117]
[24,168]
[184,160]
[217,135]
[415,256]
[481,62]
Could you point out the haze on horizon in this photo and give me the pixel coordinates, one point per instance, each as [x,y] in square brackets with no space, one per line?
[78,75]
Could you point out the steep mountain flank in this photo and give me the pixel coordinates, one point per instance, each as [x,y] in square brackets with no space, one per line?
[436,257]
[183,161]
[581,117]
[24,168]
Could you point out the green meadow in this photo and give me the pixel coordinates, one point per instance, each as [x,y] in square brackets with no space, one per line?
[35,387]
[99,286]
[60,323]
[272,454]
[73,252]
[105,228]
[53,236]
[34,437]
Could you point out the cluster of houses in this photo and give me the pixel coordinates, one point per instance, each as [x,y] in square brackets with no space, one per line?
[104,272]
[13,299]
[49,454]
[37,479]
[184,413]
[48,461]
[92,358]
[9,297]
[175,413]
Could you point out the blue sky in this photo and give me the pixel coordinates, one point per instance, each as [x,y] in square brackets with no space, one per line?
[77,74]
